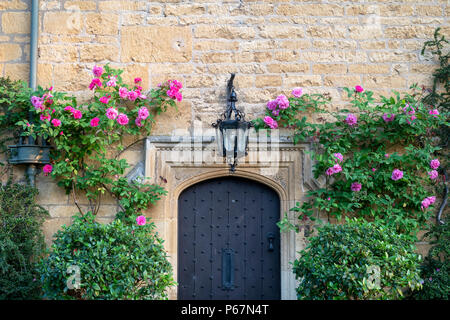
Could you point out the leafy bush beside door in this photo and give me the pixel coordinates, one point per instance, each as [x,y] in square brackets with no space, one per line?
[119,260]
[21,242]
[357,260]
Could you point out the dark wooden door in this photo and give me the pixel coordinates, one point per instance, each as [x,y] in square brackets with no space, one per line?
[228,241]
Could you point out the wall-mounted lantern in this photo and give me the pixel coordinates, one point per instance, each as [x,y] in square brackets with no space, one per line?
[232,134]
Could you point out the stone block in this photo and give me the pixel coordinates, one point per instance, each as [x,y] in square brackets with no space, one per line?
[16,22]
[102,24]
[10,52]
[98,53]
[172,120]
[63,23]
[156,44]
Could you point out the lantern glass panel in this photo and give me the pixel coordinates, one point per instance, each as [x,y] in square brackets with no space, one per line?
[242,140]
[219,140]
[229,143]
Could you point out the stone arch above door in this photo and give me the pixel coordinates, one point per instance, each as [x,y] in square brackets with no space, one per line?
[177,162]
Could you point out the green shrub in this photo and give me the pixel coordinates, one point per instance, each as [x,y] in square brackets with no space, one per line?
[357,260]
[116,261]
[435,271]
[21,241]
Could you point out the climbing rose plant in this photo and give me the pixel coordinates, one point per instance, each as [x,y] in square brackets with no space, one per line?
[376,157]
[88,138]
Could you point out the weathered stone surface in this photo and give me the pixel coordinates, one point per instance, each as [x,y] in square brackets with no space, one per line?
[156,44]
[10,52]
[63,22]
[16,22]
[172,120]
[102,24]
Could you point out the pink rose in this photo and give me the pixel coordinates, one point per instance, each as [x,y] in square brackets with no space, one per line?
[123,92]
[95,83]
[338,156]
[272,105]
[359,89]
[434,112]
[105,99]
[56,122]
[397,174]
[351,119]
[141,220]
[270,122]
[69,108]
[112,82]
[132,95]
[137,80]
[434,164]
[43,117]
[97,71]
[356,186]
[94,122]
[337,168]
[143,113]
[37,102]
[122,119]
[138,122]
[112,113]
[433,174]
[282,101]
[77,114]
[47,169]
[297,92]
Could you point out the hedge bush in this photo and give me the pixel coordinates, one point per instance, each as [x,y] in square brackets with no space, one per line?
[21,241]
[357,260]
[119,260]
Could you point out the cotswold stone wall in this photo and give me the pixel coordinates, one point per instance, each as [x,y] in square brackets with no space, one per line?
[272,45]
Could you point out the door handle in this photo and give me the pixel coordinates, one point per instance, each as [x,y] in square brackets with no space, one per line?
[227,269]
[270,239]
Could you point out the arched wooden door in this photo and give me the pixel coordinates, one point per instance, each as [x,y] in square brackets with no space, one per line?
[228,241]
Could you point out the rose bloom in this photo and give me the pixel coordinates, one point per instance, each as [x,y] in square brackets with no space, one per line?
[94,122]
[434,112]
[112,113]
[77,114]
[434,164]
[433,174]
[47,169]
[123,92]
[397,174]
[69,108]
[56,122]
[272,105]
[132,95]
[337,168]
[282,101]
[141,220]
[105,99]
[338,156]
[356,186]
[297,92]
[122,119]
[143,113]
[112,82]
[270,122]
[138,122]
[137,80]
[351,119]
[95,83]
[97,71]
